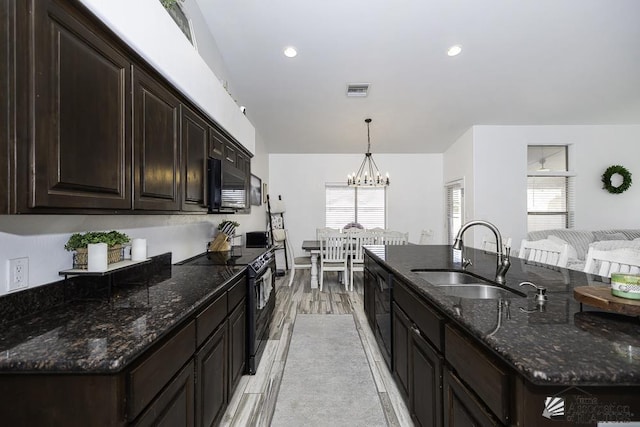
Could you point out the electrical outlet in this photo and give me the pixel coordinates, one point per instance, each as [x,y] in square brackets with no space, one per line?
[18,273]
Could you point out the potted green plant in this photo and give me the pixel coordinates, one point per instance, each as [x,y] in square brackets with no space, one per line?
[78,243]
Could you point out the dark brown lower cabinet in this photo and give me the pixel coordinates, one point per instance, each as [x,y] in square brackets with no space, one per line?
[237,345]
[185,379]
[211,368]
[461,407]
[401,338]
[221,360]
[425,382]
[174,406]
[418,370]
[369,296]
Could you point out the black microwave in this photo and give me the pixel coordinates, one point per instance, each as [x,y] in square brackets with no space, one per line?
[226,187]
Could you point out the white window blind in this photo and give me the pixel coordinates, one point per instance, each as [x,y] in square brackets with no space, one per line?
[550,188]
[454,192]
[344,204]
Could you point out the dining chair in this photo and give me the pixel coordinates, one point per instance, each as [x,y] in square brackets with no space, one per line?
[333,256]
[320,231]
[604,263]
[425,237]
[377,232]
[489,245]
[297,263]
[394,238]
[544,251]
[357,241]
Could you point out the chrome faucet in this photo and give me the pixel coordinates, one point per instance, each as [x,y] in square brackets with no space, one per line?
[502,258]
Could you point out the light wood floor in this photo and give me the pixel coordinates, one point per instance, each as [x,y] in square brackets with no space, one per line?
[253,402]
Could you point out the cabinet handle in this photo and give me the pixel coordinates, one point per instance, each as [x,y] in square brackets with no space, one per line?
[414,329]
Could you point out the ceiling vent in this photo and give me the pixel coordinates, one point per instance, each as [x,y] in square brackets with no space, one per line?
[358,89]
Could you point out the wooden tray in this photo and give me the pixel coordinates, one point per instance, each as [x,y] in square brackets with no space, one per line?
[600,297]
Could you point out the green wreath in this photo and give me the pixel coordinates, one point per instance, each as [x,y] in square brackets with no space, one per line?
[626,179]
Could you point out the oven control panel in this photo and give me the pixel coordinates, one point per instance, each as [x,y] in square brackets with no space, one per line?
[262,261]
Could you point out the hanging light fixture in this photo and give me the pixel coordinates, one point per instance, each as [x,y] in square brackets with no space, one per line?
[368,174]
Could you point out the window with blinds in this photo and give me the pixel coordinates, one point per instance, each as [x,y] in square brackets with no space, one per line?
[454,192]
[550,188]
[366,206]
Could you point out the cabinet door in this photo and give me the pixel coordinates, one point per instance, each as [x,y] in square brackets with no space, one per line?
[194,143]
[7,97]
[174,406]
[211,369]
[156,157]
[243,163]
[369,296]
[230,155]
[237,345]
[216,144]
[425,382]
[401,340]
[81,141]
[461,408]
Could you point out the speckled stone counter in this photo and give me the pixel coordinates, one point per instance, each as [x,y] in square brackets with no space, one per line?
[103,335]
[561,345]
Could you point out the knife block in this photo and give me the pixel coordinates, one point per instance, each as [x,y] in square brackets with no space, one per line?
[220,243]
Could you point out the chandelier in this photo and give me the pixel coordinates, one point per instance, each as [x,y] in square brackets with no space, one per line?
[368,174]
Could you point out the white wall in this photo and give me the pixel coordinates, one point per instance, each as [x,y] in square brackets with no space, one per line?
[458,164]
[414,198]
[150,31]
[500,162]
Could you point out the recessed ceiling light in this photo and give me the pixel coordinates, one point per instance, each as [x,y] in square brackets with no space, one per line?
[454,50]
[290,52]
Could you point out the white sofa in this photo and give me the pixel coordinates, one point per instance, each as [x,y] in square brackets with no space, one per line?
[580,240]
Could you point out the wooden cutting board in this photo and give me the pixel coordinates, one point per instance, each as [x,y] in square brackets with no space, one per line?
[600,297]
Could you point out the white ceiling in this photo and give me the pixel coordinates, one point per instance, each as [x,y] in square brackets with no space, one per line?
[524,62]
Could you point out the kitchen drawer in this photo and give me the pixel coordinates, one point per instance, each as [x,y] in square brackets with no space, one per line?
[462,407]
[429,322]
[483,375]
[174,406]
[209,319]
[237,293]
[147,379]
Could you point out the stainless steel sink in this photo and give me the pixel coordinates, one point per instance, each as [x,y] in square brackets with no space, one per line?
[440,278]
[477,291]
[465,285]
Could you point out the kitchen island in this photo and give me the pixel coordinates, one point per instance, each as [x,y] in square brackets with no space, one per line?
[168,343]
[525,355]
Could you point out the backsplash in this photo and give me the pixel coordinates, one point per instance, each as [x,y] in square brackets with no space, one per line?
[18,305]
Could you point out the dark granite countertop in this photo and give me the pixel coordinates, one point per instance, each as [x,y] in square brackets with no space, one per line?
[562,345]
[104,335]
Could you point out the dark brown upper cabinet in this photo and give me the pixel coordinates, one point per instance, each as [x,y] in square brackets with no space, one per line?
[80,140]
[195,138]
[87,126]
[156,145]
[230,156]
[7,98]
[216,144]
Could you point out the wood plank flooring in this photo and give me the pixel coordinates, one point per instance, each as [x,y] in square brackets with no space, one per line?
[253,402]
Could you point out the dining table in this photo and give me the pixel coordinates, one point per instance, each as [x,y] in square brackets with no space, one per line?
[313,248]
